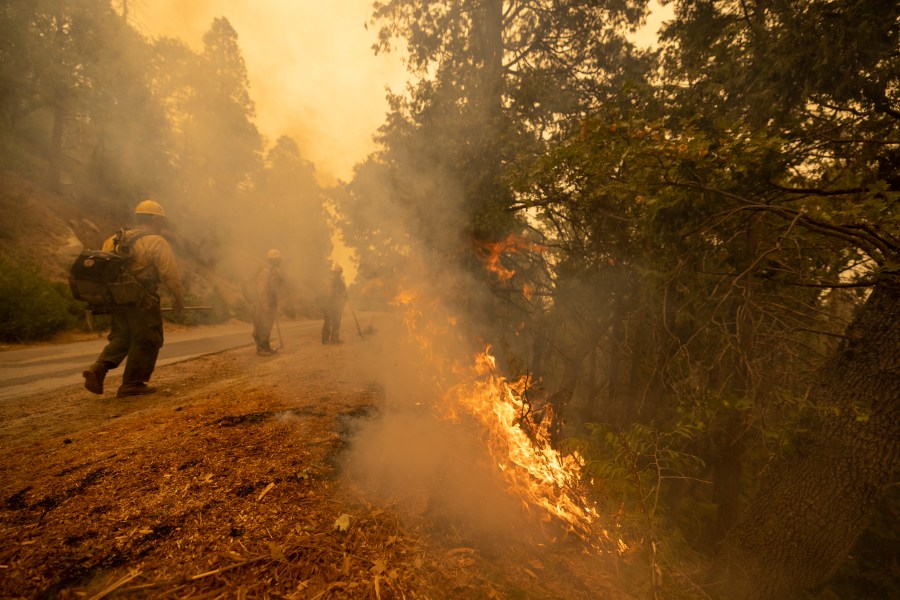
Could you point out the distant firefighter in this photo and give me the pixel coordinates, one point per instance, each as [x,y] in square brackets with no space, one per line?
[333,306]
[136,330]
[268,280]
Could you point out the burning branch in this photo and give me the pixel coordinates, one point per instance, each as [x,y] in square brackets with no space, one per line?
[492,252]
[520,445]
[516,435]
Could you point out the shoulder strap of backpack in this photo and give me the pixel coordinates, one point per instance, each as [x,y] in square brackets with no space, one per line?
[125,239]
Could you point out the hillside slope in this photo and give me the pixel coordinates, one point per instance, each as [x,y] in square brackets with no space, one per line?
[44,229]
[47,230]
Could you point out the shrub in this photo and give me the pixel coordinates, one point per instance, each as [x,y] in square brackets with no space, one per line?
[31,307]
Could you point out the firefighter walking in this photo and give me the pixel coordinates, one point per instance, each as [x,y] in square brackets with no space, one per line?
[268,281]
[333,306]
[136,330]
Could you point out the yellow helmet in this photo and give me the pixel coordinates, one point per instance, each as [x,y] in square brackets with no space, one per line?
[149,207]
[273,253]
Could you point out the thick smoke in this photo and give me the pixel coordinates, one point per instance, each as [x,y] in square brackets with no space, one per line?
[223,242]
[424,465]
[312,73]
[411,455]
[429,466]
[307,71]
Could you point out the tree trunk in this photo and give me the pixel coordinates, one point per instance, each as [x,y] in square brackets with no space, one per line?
[818,495]
[488,196]
[54,167]
[726,461]
[488,49]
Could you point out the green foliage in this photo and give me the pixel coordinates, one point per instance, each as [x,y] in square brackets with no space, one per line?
[638,475]
[32,308]
[490,84]
[631,468]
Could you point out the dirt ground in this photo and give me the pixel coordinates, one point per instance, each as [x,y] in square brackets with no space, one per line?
[227,483]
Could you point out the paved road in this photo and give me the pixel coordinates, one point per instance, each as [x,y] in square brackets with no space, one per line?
[44,368]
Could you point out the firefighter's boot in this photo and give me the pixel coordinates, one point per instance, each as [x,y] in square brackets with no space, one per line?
[134,389]
[94,376]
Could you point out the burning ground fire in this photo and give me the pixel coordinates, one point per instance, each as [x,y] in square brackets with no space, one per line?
[534,471]
[545,480]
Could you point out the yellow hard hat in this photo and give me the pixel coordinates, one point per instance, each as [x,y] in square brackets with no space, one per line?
[273,253]
[149,207]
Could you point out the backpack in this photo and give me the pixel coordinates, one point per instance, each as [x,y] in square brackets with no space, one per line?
[103,279]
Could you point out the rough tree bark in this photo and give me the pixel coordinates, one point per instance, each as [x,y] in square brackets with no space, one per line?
[818,495]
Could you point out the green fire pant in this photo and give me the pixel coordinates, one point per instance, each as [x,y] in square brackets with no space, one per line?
[331,327]
[136,333]
[262,328]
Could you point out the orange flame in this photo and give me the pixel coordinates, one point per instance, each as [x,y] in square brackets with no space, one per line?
[492,252]
[528,292]
[403,298]
[532,469]
[544,479]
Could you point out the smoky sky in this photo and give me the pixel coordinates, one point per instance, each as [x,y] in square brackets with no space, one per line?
[313,74]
